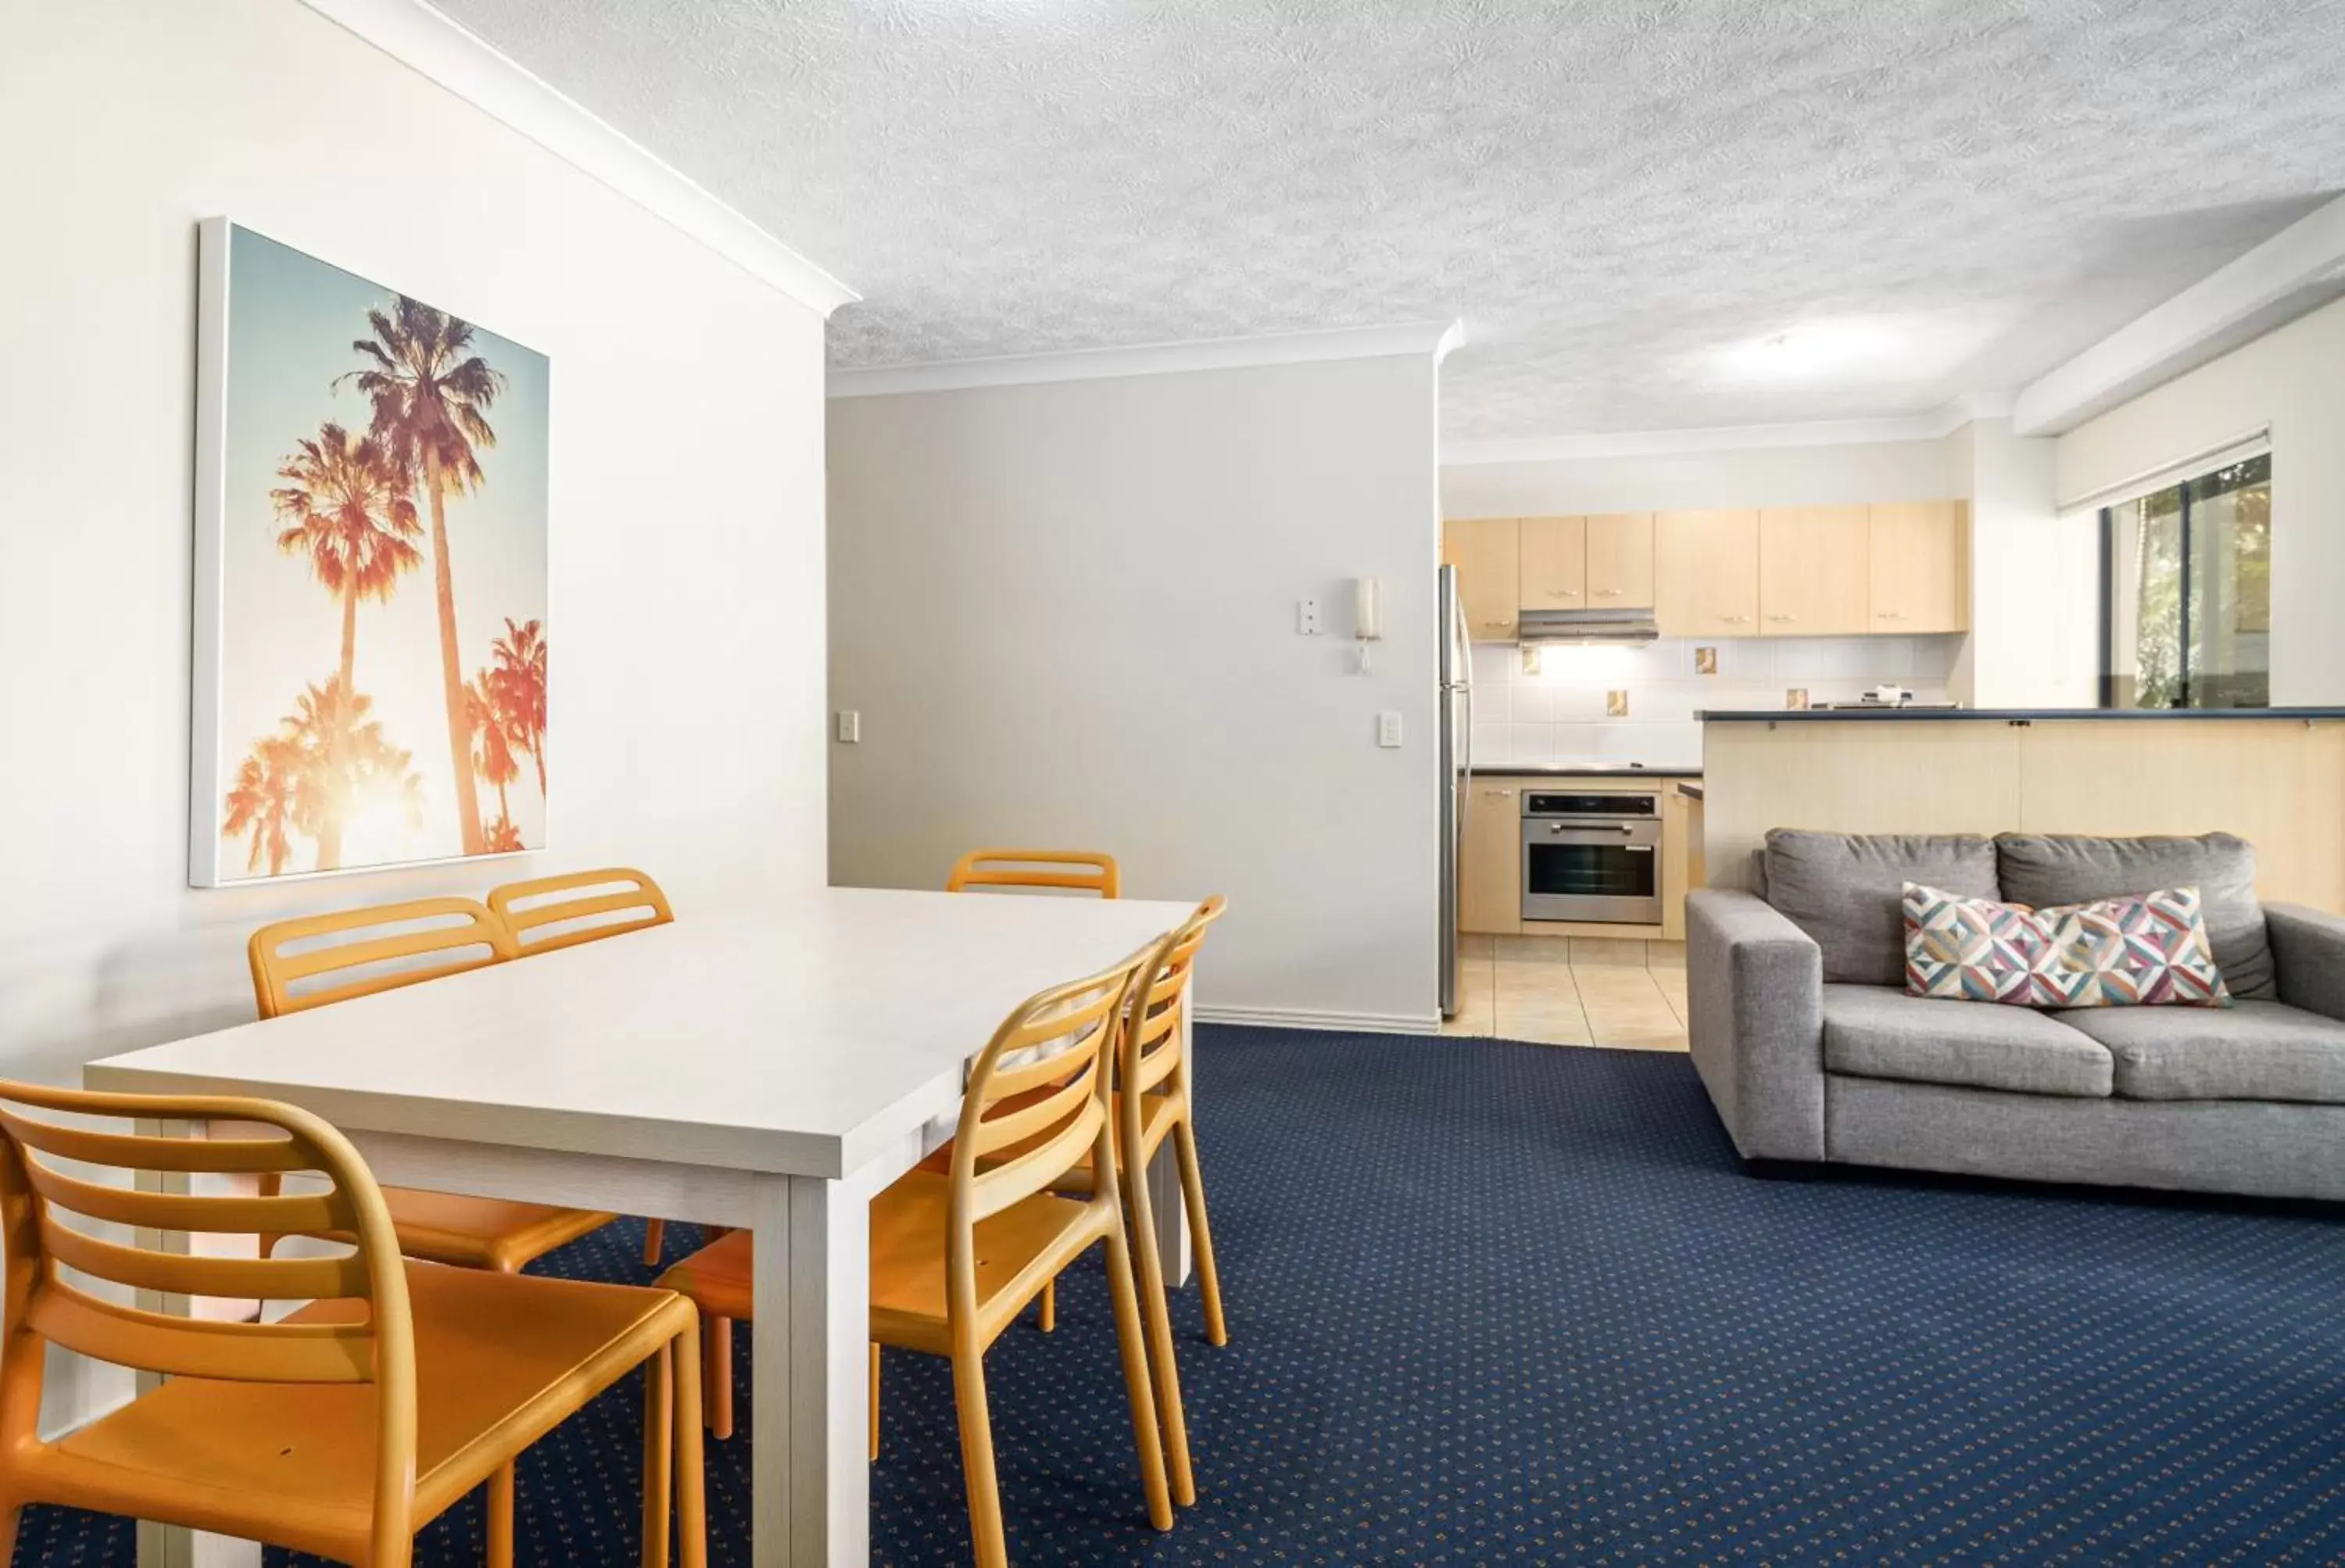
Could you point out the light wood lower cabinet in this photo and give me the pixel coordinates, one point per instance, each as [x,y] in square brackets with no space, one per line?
[1489,862]
[1813,575]
[1706,573]
[1487,552]
[1919,575]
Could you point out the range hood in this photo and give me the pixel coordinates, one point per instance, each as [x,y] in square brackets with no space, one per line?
[1586,628]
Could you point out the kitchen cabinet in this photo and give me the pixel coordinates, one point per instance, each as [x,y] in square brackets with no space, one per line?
[1920,566]
[1490,860]
[1813,578]
[1620,561]
[1706,573]
[1484,550]
[1553,563]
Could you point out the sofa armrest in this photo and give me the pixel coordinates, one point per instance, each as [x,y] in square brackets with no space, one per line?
[1755,998]
[2307,958]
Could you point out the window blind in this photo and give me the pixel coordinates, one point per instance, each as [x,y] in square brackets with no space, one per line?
[2165,475]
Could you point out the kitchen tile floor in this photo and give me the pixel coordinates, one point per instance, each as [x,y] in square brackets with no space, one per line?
[1565,991]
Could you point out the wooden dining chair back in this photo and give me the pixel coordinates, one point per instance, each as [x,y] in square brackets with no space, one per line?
[1154,1052]
[1080,871]
[318,959]
[298,964]
[42,1307]
[551,913]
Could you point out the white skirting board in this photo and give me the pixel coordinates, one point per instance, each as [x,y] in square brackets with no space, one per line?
[1337,1022]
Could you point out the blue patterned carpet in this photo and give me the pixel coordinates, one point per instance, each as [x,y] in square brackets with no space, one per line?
[1494,1302]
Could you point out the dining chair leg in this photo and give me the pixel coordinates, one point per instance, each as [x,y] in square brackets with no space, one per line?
[654,1242]
[720,1377]
[501,1517]
[691,1454]
[992,1551]
[1156,1317]
[1200,1233]
[874,1401]
[659,1438]
[1049,1315]
[1135,1378]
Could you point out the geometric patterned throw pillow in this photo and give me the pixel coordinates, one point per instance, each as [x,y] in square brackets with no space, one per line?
[2138,949]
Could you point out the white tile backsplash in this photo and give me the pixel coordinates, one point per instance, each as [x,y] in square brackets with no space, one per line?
[1557,715]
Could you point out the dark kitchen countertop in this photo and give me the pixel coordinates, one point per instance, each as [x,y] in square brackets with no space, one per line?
[1578,770]
[1691,791]
[2013,715]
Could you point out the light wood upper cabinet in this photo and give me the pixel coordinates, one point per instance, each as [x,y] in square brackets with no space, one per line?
[1554,556]
[1620,561]
[1813,575]
[1489,862]
[1706,573]
[1919,575]
[1484,552]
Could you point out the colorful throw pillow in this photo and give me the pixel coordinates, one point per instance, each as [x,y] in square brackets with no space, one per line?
[2138,949]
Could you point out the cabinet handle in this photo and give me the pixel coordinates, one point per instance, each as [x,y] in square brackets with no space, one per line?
[1609,593]
[1891,614]
[1498,794]
[1563,593]
[1782,620]
[1734,621]
[1495,624]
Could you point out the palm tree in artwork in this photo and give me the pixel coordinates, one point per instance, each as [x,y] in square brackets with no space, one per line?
[343,507]
[342,764]
[492,748]
[518,682]
[261,802]
[430,392]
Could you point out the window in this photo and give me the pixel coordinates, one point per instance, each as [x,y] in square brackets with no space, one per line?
[2185,593]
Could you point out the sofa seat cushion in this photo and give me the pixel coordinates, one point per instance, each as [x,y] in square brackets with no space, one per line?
[1880,1032]
[2249,1051]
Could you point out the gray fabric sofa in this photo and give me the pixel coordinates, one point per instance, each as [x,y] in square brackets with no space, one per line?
[1812,1050]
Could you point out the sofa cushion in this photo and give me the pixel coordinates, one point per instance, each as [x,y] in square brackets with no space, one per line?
[1878,1031]
[2250,1050]
[1845,891]
[2051,869]
[2140,949]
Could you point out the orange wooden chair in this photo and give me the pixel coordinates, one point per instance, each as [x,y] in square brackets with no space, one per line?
[1079,871]
[1085,871]
[956,1257]
[348,1426]
[545,914]
[296,964]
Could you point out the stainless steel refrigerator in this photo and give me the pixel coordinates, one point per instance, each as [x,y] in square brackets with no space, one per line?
[1456,771]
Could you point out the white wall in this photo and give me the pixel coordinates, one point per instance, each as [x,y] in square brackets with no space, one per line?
[686,546]
[2035,576]
[2294,381]
[1067,616]
[1763,476]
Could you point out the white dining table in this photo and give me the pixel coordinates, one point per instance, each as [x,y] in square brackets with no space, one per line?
[770,1069]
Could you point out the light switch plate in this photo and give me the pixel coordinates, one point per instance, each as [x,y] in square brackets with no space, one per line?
[850,726]
[1306,616]
[1388,728]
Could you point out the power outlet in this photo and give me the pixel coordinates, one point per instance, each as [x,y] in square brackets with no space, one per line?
[1306,616]
[848,725]
[1388,728]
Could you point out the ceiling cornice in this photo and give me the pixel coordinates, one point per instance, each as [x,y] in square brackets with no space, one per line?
[1434,337]
[1935,426]
[428,43]
[2295,270]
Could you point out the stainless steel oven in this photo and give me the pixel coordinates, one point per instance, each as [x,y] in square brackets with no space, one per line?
[1592,855]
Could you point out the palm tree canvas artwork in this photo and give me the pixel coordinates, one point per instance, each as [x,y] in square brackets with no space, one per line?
[371,535]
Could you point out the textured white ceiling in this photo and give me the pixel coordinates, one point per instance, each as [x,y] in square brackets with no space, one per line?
[1613,195]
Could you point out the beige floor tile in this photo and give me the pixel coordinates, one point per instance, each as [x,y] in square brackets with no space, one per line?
[1476,990]
[1628,1008]
[1532,950]
[1665,956]
[1547,1025]
[1588,951]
